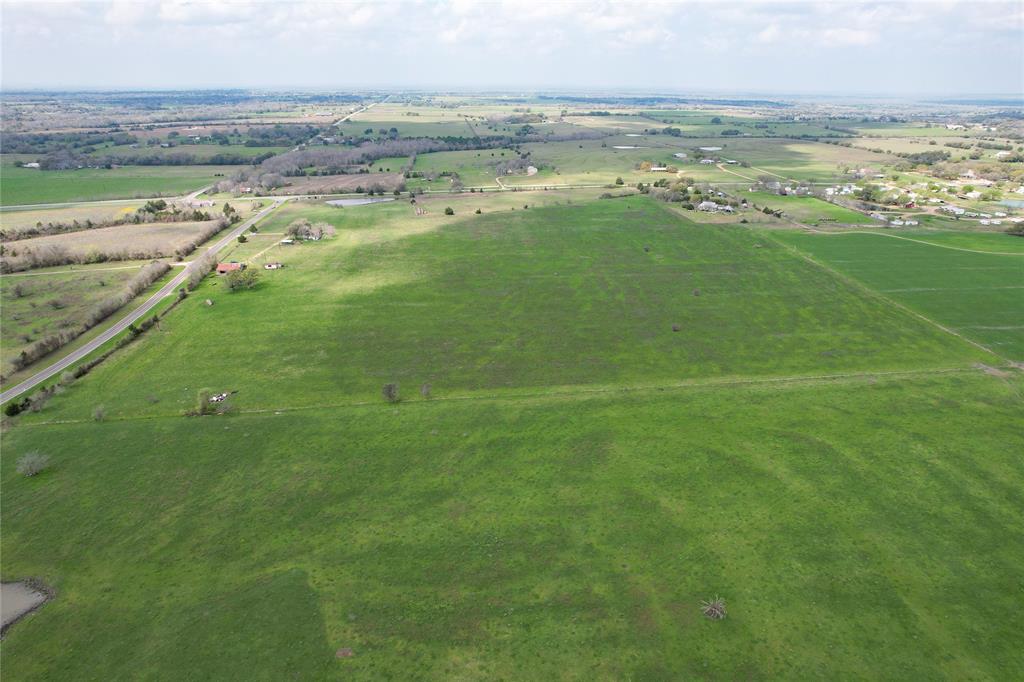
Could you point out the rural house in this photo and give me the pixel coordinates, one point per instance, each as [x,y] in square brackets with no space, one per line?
[224,268]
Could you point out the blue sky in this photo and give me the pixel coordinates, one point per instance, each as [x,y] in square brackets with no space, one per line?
[907,48]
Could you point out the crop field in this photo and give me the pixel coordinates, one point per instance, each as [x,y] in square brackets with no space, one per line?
[579,478]
[155,239]
[979,295]
[39,305]
[33,186]
[993,242]
[809,210]
[28,218]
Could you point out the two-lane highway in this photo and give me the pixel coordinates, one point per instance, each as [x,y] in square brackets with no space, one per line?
[168,289]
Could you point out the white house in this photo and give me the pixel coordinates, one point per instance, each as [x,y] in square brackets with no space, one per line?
[707,206]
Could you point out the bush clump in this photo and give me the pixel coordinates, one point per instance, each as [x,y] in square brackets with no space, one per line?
[32,463]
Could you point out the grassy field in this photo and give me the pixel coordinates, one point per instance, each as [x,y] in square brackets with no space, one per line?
[980,295]
[400,298]
[809,210]
[39,305]
[475,168]
[579,479]
[33,186]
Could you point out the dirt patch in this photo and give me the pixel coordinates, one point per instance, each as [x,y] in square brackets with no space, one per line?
[991,371]
[329,184]
[18,599]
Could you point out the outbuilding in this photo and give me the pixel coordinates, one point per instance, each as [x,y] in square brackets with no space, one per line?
[225,268]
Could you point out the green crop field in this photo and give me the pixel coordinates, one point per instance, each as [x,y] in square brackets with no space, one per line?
[980,295]
[627,413]
[33,186]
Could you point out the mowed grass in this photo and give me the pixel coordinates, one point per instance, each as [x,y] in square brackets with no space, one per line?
[33,186]
[980,295]
[514,301]
[857,529]
[810,210]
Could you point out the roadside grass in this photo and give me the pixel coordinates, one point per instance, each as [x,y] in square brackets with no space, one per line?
[979,295]
[33,186]
[854,529]
[559,296]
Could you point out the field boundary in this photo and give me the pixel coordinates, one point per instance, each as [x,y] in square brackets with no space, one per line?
[584,391]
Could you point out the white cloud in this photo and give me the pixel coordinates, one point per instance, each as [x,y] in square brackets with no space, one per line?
[734,45]
[845,37]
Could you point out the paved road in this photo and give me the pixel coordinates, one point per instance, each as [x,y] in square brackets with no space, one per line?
[168,289]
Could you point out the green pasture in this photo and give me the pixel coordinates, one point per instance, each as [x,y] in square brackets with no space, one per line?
[33,186]
[626,413]
[809,210]
[495,303]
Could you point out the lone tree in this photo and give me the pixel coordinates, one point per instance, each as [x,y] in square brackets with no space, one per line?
[242,279]
[449,211]
[390,392]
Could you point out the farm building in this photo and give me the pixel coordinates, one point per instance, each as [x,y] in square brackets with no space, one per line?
[224,268]
[707,206]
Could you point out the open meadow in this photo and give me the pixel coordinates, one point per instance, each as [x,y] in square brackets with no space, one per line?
[608,413]
[524,410]
[32,186]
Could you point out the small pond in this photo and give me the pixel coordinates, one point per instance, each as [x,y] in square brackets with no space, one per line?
[359,202]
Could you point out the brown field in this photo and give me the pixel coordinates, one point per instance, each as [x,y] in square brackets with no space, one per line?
[114,243]
[16,220]
[327,184]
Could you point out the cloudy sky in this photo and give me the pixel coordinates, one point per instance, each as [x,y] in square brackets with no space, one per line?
[947,47]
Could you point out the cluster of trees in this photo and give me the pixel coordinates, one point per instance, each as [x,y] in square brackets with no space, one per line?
[104,309]
[246,278]
[303,229]
[45,143]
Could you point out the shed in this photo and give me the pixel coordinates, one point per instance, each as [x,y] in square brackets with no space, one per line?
[224,268]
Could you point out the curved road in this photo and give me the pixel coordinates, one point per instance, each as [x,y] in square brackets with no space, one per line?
[167,290]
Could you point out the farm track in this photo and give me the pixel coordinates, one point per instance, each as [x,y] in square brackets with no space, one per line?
[583,391]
